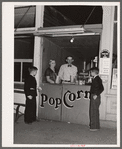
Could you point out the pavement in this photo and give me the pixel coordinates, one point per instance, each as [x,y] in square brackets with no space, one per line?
[55,132]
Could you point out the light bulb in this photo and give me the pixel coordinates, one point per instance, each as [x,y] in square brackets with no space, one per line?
[72,40]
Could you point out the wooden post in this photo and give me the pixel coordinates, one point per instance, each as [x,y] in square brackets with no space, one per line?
[38,47]
[106,41]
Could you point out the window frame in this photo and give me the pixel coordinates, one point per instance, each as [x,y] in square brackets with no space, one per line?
[22,61]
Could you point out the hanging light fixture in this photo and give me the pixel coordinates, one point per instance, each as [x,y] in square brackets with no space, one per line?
[72,40]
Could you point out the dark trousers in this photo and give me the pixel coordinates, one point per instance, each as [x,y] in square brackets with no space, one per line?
[30,110]
[94,112]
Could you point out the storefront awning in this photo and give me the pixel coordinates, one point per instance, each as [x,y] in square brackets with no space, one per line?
[75,30]
[85,44]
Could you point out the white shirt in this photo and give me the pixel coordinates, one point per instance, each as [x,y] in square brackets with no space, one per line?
[65,72]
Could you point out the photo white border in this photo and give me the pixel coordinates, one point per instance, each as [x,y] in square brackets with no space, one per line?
[7,72]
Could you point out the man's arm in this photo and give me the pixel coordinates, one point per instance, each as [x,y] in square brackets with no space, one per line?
[60,73]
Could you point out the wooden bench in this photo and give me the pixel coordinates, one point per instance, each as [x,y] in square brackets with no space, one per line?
[18,113]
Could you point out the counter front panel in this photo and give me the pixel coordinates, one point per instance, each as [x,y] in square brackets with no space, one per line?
[65,102]
[77,99]
[49,98]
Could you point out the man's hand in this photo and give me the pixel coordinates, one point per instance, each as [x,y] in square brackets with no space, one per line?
[39,89]
[95,97]
[29,97]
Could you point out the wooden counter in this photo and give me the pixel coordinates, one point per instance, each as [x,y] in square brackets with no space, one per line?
[64,102]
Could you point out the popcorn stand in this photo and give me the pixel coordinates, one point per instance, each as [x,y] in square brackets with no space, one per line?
[69,102]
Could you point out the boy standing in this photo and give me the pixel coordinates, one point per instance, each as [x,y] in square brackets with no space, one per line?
[95,99]
[30,89]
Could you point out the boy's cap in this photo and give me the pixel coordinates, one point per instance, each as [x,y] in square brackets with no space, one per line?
[94,68]
[33,68]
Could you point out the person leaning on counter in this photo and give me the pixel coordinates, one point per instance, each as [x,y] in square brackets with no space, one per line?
[51,72]
[68,72]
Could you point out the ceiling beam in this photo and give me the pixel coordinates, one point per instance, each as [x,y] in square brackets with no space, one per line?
[72,34]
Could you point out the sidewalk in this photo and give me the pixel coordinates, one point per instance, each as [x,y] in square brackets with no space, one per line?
[53,132]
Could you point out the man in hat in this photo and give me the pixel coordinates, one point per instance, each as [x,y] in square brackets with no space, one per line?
[68,71]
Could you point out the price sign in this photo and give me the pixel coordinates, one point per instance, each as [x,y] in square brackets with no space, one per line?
[104,62]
